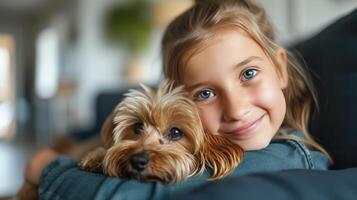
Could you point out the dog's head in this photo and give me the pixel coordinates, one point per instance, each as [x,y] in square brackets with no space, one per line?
[158,136]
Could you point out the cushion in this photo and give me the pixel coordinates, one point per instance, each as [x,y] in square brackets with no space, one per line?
[332,57]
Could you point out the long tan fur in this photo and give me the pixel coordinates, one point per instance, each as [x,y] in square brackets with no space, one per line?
[221,155]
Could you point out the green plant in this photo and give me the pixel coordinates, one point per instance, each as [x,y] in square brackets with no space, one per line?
[130,24]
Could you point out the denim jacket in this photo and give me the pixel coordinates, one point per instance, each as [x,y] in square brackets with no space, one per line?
[62,179]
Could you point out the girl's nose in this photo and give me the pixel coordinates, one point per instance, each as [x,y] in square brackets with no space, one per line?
[235,106]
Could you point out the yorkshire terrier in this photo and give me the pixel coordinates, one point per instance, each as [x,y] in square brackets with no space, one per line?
[157,136]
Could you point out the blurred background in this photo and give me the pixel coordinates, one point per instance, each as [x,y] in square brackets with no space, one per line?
[58,56]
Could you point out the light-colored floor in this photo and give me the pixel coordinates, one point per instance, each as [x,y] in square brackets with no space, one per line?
[13,158]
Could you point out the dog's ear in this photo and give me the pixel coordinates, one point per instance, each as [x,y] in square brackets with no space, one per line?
[107,131]
[221,155]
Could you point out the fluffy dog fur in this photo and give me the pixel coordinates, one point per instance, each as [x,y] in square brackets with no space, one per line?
[158,136]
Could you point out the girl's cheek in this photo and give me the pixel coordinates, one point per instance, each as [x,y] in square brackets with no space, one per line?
[265,96]
[208,117]
[270,98]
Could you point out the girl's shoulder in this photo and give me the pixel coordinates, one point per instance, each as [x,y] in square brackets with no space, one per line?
[313,158]
[283,154]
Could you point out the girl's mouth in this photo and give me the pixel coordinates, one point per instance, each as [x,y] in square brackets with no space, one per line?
[247,128]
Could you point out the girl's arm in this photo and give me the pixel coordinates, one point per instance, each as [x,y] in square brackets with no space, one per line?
[62,179]
[287,185]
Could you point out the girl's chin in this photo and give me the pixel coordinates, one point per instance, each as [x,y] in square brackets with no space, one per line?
[252,146]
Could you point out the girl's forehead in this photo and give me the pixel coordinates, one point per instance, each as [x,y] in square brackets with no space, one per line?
[213,36]
[221,54]
[222,45]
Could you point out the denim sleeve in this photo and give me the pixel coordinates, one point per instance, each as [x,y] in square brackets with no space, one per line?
[281,155]
[62,179]
[312,158]
[288,185]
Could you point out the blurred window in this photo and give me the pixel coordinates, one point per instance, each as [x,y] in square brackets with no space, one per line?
[7,87]
[47,61]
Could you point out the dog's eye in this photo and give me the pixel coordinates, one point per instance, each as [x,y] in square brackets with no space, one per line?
[174,134]
[138,128]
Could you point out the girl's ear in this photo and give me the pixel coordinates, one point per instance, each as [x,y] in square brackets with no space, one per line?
[221,155]
[283,70]
[107,131]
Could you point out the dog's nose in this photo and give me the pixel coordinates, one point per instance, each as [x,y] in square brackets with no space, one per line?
[139,161]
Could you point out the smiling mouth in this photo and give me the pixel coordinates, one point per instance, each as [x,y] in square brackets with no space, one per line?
[245,129]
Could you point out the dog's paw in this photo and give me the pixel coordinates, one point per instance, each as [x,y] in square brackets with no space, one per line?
[93,161]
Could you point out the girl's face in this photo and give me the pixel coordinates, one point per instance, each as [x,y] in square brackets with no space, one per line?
[238,90]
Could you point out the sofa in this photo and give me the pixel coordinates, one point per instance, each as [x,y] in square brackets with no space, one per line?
[331,56]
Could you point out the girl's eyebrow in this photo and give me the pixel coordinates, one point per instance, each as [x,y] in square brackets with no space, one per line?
[194,86]
[248,60]
[244,62]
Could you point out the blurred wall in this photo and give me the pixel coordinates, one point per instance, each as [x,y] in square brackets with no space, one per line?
[101,62]
[89,63]
[298,19]
[93,63]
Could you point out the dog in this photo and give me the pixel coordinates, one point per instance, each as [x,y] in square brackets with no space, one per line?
[157,136]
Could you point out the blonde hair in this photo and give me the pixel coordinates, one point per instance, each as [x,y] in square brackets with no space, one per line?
[188,33]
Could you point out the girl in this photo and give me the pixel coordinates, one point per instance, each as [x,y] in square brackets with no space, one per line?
[246,87]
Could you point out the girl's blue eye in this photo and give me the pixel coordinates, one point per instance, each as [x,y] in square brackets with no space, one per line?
[205,94]
[249,74]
